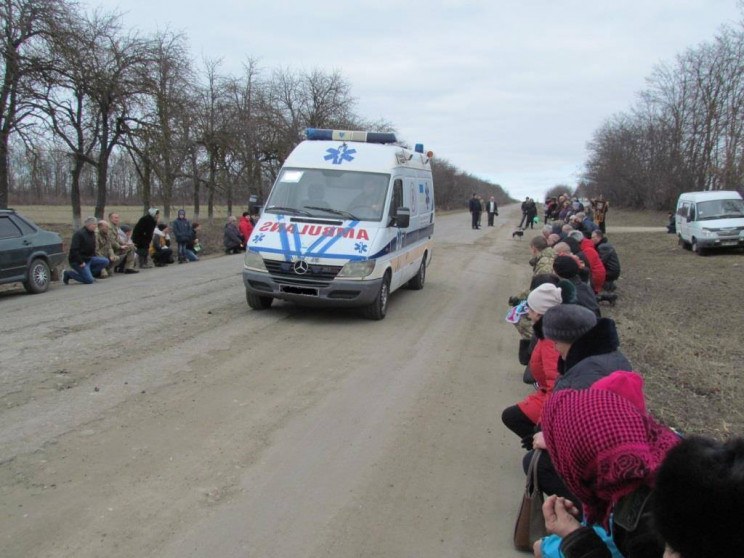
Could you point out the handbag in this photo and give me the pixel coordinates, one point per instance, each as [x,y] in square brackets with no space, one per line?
[530,525]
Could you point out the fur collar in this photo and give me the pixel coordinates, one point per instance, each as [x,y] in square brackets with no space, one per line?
[599,340]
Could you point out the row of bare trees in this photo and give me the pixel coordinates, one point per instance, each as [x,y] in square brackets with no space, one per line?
[684,133]
[90,111]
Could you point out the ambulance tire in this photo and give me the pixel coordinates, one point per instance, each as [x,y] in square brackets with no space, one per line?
[259,302]
[417,283]
[378,309]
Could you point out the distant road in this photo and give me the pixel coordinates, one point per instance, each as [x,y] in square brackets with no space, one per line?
[157,415]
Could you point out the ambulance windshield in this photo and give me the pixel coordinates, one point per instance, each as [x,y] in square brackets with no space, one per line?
[329,193]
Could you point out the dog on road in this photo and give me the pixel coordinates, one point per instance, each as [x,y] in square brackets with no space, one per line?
[518,233]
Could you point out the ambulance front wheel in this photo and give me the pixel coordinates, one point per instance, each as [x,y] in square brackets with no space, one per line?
[378,309]
[259,302]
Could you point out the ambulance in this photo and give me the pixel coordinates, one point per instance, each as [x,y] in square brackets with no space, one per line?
[349,220]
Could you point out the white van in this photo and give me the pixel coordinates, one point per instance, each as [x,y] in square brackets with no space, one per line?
[349,220]
[713,219]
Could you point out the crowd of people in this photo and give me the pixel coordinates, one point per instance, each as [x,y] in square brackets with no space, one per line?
[618,483]
[101,248]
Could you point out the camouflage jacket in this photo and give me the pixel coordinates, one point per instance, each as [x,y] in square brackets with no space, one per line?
[103,245]
[543,262]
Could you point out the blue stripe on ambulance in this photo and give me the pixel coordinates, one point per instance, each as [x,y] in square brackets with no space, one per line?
[406,240]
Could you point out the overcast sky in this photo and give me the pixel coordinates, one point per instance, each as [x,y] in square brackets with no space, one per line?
[510,91]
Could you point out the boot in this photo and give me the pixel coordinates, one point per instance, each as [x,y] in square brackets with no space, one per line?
[143,263]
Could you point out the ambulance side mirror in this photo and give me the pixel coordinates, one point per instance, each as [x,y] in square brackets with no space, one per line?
[402,217]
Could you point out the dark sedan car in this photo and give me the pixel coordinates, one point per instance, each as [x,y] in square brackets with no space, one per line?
[28,254]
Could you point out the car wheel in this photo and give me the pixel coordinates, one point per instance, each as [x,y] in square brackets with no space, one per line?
[259,302]
[683,244]
[417,283]
[697,248]
[39,277]
[378,309]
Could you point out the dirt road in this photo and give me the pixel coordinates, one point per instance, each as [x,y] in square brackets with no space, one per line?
[157,415]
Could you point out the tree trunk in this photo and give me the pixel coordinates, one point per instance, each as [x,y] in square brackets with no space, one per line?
[4,171]
[77,169]
[101,183]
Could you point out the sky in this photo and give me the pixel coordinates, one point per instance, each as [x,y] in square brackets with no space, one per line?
[509,91]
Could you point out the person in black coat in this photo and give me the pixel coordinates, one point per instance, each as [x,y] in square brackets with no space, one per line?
[531,213]
[84,264]
[142,235]
[475,211]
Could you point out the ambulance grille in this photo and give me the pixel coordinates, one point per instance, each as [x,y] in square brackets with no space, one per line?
[317,275]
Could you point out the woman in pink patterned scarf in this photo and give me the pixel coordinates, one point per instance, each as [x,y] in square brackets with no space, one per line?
[607,449]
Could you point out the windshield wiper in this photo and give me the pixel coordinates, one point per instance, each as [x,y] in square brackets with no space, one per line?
[288,210]
[335,212]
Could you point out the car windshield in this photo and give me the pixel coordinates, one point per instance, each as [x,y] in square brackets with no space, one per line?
[720,209]
[329,193]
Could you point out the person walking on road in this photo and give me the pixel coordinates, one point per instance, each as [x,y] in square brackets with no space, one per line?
[475,211]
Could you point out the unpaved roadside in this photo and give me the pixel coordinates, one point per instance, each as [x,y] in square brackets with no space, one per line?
[156,415]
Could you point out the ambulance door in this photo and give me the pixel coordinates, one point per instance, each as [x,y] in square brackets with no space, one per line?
[397,250]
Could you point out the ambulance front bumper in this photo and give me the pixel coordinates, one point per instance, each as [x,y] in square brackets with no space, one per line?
[336,292]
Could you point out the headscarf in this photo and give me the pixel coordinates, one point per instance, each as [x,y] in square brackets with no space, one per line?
[603,447]
[153,211]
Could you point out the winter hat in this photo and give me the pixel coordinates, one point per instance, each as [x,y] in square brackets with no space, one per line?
[565,267]
[603,447]
[568,291]
[181,212]
[544,298]
[153,211]
[567,322]
[707,474]
[626,384]
[90,221]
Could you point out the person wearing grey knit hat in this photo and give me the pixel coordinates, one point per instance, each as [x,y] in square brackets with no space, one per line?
[567,322]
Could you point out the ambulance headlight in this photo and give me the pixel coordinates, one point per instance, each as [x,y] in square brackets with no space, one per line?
[254,261]
[357,269]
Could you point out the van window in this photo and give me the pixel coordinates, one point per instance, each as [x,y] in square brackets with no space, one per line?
[683,209]
[720,209]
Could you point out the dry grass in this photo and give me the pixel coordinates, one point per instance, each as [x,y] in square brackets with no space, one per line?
[679,317]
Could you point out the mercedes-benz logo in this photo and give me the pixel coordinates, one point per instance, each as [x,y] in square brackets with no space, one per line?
[300,267]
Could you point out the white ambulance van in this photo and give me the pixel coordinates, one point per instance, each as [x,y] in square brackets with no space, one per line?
[349,220]
[713,219]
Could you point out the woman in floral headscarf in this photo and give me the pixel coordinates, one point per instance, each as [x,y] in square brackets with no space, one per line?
[606,448]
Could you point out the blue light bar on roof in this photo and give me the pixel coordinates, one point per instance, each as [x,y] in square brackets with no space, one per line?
[349,135]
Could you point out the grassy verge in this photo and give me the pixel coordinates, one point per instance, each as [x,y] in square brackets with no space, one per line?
[679,318]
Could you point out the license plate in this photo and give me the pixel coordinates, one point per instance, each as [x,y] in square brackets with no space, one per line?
[729,242]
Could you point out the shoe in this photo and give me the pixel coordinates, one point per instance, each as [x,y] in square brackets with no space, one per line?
[103,275]
[65,277]
[128,271]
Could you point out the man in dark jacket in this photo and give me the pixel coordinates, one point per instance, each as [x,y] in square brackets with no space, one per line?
[609,258]
[475,208]
[182,231]
[84,263]
[142,235]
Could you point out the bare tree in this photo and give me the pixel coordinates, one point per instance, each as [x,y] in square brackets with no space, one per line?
[26,26]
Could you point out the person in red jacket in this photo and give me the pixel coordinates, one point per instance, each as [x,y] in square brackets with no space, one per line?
[525,415]
[246,227]
[596,267]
